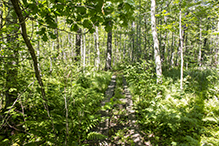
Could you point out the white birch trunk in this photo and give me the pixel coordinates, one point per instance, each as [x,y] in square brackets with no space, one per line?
[97,49]
[84,53]
[109,51]
[200,49]
[172,52]
[181,47]
[156,43]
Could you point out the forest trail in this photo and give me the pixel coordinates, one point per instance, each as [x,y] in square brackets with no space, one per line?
[118,116]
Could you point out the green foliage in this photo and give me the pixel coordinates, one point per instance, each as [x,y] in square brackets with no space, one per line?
[141,79]
[81,94]
[95,136]
[168,116]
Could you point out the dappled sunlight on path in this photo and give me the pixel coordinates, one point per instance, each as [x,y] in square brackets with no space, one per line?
[118,121]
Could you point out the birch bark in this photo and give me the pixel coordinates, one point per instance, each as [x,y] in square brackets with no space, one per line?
[97,49]
[181,47]
[109,50]
[156,42]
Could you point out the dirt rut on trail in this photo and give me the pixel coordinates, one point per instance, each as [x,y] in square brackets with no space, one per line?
[118,122]
[134,132]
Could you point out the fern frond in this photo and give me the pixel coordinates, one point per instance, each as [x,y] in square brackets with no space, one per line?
[96,136]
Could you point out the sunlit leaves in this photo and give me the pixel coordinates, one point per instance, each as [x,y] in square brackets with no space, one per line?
[84,14]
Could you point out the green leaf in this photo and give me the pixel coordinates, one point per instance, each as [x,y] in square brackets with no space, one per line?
[42,31]
[25,2]
[45,38]
[108,28]
[51,22]
[69,21]
[210,119]
[52,35]
[79,18]
[81,10]
[12,89]
[60,6]
[34,8]
[74,27]
[33,143]
[95,136]
[87,24]
[92,30]
[174,143]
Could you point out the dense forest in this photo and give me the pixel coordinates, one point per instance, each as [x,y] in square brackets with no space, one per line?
[109,72]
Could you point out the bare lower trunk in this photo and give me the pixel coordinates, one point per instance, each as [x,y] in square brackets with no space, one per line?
[181,48]
[172,52]
[31,50]
[109,51]
[156,43]
[78,45]
[108,65]
[200,49]
[84,52]
[97,49]
[11,64]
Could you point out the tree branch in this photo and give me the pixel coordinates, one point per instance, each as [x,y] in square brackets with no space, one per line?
[31,50]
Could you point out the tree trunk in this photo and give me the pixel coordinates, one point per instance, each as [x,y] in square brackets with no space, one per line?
[116,51]
[31,50]
[1,49]
[97,49]
[89,46]
[156,43]
[11,72]
[11,64]
[78,45]
[133,41]
[120,45]
[145,39]
[109,50]
[57,38]
[27,42]
[200,49]
[84,53]
[139,33]
[172,52]
[181,47]
[124,48]
[38,47]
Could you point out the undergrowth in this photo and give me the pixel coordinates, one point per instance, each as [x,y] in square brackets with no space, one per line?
[73,99]
[169,116]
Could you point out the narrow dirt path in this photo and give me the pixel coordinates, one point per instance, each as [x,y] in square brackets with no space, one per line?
[134,132]
[123,121]
[118,122]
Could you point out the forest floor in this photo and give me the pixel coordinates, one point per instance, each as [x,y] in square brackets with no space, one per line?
[118,122]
